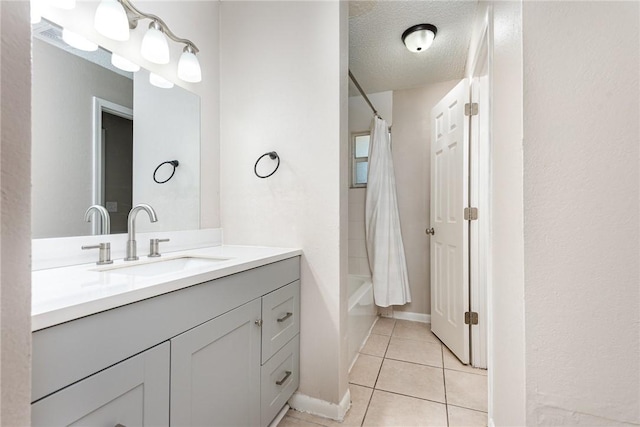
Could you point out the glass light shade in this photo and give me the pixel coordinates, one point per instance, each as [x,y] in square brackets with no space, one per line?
[111,20]
[160,82]
[189,68]
[155,47]
[419,41]
[64,4]
[77,41]
[123,63]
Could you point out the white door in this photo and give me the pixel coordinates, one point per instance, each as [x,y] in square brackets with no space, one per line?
[450,239]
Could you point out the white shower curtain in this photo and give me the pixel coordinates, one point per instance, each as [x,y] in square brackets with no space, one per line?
[384,239]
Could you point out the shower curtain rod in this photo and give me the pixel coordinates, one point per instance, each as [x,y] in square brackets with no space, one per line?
[364,95]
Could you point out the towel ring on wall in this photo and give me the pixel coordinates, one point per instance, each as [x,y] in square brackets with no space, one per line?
[272,155]
[173,163]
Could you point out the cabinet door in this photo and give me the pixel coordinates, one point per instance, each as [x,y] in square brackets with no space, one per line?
[134,392]
[215,371]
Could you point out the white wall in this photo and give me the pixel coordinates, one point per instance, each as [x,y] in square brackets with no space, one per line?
[15,203]
[360,116]
[286,91]
[166,127]
[581,229]
[506,347]
[194,20]
[62,153]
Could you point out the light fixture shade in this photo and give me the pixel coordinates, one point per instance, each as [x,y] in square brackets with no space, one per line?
[111,20]
[77,41]
[123,63]
[64,4]
[155,47]
[189,67]
[419,37]
[160,82]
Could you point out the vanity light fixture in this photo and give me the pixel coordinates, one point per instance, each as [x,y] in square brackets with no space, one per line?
[123,63]
[77,41]
[159,81]
[188,66]
[419,37]
[155,47]
[111,20]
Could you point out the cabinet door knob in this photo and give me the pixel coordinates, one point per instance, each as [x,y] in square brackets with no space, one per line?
[258,322]
[287,375]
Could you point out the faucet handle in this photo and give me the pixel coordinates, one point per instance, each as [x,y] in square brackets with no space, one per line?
[154,247]
[104,256]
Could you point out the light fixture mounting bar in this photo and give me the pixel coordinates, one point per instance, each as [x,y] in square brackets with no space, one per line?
[134,15]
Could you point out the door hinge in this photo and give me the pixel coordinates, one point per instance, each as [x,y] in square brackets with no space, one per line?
[470,318]
[471,109]
[470,214]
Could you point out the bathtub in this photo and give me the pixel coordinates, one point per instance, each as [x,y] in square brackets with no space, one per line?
[362,313]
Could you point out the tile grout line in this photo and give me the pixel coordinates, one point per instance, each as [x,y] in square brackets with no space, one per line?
[444,384]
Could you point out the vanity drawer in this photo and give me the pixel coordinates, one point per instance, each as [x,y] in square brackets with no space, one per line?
[280,317]
[280,377]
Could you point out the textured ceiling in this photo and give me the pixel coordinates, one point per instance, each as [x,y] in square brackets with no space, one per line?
[380,61]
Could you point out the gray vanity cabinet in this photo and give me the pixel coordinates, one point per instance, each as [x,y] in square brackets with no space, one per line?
[215,371]
[134,392]
[218,353]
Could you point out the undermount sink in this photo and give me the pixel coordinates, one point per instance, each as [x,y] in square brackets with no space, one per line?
[163,266]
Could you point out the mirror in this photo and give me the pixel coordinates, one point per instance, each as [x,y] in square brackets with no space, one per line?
[98,135]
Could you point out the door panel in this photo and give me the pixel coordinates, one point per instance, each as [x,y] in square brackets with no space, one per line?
[449,244]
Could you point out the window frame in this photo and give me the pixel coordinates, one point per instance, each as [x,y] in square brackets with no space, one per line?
[355,160]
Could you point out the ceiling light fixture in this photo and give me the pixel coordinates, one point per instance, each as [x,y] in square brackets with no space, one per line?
[77,41]
[419,37]
[155,47]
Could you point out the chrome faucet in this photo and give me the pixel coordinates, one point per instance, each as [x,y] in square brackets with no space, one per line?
[131,241]
[104,215]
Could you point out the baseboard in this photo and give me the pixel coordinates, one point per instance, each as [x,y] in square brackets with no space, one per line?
[303,403]
[414,317]
[280,416]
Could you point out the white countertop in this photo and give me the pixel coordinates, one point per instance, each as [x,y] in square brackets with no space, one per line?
[67,293]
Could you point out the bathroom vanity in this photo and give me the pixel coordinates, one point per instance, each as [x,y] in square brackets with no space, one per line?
[208,344]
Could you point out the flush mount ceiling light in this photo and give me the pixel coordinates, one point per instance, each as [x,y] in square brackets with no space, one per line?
[77,41]
[155,47]
[419,37]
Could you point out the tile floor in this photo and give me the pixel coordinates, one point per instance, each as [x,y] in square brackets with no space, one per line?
[404,377]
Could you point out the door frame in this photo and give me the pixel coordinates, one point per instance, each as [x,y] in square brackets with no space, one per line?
[101,105]
[480,197]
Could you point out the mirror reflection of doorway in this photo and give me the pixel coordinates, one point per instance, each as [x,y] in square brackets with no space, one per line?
[117,139]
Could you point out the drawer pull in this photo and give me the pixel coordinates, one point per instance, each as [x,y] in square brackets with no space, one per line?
[282,319]
[287,375]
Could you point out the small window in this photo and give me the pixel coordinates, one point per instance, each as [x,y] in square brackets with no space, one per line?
[359,159]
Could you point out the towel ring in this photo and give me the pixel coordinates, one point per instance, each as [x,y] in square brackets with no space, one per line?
[173,163]
[272,155]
